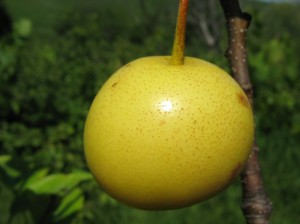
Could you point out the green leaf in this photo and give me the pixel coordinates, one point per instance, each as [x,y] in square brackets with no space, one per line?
[105,199]
[70,204]
[29,208]
[51,184]
[22,217]
[10,171]
[23,27]
[6,197]
[57,183]
[35,177]
[4,159]
[74,179]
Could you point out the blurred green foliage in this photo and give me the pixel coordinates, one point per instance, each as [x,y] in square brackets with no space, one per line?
[48,81]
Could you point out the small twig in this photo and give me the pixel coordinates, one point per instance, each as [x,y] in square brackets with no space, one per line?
[256,205]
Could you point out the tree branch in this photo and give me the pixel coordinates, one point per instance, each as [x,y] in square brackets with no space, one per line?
[256,205]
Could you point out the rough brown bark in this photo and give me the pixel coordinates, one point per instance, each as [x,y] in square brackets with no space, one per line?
[256,205]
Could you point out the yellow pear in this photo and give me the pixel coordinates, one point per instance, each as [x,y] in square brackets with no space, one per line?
[167,132]
[161,136]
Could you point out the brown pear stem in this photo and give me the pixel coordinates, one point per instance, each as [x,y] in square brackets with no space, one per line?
[179,41]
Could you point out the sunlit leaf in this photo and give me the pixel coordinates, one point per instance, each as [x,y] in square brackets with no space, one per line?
[57,183]
[74,178]
[70,204]
[51,184]
[36,176]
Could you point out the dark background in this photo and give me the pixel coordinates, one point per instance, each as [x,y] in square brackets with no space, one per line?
[55,55]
